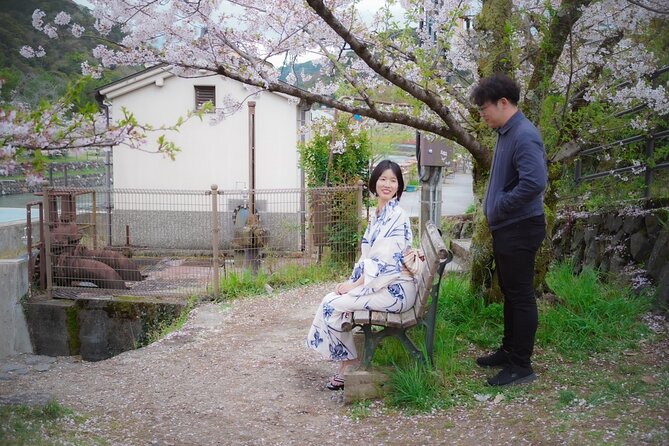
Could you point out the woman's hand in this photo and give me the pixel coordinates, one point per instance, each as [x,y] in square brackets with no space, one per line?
[345,287]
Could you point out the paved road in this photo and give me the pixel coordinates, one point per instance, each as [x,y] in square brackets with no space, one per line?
[456,196]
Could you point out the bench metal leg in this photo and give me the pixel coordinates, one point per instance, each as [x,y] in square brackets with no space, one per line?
[374,338]
[410,346]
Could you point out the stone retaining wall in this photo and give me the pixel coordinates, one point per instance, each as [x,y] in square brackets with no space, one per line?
[458,226]
[632,243]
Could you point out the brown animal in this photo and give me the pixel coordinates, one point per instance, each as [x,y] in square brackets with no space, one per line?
[79,269]
[125,267]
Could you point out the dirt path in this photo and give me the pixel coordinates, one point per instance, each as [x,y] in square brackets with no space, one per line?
[242,376]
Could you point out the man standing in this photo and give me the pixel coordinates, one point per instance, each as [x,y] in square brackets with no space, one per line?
[513,207]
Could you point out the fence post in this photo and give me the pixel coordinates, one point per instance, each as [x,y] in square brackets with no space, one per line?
[361,185]
[577,171]
[215,236]
[650,145]
[46,199]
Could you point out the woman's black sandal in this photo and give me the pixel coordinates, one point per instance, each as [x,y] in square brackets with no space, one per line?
[336,382]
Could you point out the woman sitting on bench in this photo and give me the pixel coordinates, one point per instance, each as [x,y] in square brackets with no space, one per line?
[379,281]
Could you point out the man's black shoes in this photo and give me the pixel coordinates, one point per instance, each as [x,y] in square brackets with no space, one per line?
[499,358]
[512,375]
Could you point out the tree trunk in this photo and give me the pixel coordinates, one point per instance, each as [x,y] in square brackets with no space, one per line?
[497,51]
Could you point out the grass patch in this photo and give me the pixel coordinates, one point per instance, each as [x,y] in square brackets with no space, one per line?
[590,317]
[416,387]
[360,410]
[244,283]
[50,424]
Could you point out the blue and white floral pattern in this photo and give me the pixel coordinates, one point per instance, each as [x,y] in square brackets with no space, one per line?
[386,287]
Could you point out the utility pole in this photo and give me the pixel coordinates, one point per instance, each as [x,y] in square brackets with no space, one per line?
[430,165]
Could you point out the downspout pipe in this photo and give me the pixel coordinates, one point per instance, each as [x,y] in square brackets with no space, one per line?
[100,98]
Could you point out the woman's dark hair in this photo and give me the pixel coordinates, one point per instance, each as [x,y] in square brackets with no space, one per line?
[382,167]
[493,88]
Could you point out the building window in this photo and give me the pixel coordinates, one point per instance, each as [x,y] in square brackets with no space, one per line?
[204,94]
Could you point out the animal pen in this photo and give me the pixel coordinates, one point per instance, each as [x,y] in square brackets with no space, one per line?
[164,243]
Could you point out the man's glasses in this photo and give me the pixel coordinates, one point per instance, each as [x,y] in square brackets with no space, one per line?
[482,108]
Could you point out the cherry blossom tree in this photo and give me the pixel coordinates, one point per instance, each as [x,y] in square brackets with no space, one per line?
[67,125]
[580,50]
[567,55]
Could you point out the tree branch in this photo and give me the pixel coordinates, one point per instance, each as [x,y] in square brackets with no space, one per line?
[453,130]
[545,60]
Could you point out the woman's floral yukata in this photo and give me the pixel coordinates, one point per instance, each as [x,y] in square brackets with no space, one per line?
[387,286]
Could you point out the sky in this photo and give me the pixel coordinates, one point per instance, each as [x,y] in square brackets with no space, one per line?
[366,7]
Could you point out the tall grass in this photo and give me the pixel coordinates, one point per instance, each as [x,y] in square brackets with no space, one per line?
[589,316]
[417,388]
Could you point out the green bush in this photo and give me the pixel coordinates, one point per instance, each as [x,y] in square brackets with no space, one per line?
[339,155]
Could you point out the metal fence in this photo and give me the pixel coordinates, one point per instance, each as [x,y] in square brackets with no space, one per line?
[164,243]
[645,145]
[650,148]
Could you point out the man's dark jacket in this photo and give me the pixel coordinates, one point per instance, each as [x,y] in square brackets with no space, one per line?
[518,175]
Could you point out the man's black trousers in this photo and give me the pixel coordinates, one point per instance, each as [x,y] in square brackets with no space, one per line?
[515,247]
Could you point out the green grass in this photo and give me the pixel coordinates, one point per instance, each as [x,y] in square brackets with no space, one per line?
[50,424]
[590,318]
[417,388]
[244,283]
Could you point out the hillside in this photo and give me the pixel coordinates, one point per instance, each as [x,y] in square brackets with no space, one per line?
[31,80]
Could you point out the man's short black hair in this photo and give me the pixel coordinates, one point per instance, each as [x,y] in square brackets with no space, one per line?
[382,167]
[493,88]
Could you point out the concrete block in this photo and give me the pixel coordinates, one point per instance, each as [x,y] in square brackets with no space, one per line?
[14,337]
[50,323]
[363,385]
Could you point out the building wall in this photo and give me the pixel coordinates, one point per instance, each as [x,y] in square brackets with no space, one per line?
[211,154]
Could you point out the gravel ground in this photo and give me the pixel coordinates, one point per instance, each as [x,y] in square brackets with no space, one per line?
[241,375]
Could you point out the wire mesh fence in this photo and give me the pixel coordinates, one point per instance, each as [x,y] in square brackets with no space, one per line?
[162,243]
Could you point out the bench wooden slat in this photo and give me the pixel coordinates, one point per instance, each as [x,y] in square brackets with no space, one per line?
[361,317]
[422,290]
[394,320]
[378,317]
[401,320]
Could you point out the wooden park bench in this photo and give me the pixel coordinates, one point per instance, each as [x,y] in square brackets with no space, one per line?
[423,312]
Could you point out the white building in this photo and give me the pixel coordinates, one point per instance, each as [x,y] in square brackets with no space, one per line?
[219,153]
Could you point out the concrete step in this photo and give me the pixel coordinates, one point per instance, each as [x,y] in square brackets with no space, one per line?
[461,250]
[456,266]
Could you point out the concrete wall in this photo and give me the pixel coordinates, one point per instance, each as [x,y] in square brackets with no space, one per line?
[12,238]
[14,336]
[96,329]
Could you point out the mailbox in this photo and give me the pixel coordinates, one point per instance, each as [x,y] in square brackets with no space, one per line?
[431,151]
